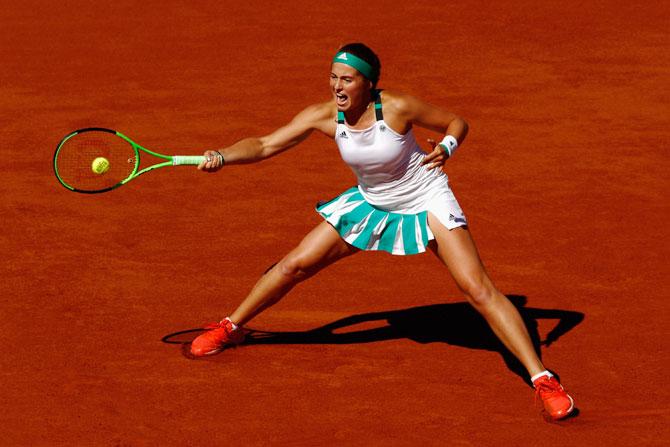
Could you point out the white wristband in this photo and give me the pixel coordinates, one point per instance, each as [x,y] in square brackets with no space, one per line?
[449,145]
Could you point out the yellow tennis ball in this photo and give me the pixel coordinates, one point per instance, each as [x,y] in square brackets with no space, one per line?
[100,165]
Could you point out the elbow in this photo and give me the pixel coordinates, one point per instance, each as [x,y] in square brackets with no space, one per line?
[263,149]
[464,129]
[458,128]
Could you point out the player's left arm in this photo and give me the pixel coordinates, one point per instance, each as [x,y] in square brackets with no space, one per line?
[415,111]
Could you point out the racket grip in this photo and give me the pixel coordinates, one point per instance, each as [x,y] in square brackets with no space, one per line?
[187,160]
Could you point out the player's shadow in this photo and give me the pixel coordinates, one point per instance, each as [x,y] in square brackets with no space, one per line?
[454,323]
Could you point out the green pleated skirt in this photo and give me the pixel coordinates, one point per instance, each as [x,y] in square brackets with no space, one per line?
[368,228]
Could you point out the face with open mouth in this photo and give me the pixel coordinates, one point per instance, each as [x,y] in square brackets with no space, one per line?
[349,87]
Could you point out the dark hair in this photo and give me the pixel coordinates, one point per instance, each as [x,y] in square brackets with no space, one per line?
[364,52]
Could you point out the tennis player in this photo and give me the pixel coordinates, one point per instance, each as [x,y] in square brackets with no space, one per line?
[401,205]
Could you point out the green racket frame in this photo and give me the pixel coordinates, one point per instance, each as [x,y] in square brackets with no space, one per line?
[171,160]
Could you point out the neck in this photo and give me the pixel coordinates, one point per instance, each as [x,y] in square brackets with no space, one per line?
[354,114]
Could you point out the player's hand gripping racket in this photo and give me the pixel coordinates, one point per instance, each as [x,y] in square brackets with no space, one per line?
[95,160]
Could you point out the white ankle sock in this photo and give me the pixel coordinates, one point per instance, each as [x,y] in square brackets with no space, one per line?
[543,373]
[231,322]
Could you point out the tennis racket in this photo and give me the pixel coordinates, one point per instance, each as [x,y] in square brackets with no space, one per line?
[95,160]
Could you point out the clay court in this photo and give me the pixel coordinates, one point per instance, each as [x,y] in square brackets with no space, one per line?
[563,177]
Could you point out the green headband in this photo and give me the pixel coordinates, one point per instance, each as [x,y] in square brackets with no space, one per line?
[359,64]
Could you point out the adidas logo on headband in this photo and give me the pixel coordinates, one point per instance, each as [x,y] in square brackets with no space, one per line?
[354,61]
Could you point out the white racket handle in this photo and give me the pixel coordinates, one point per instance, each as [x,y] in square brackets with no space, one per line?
[187,160]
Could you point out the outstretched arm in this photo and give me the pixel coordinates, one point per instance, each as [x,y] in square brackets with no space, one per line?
[250,150]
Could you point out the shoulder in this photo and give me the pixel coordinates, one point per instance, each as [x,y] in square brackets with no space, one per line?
[317,113]
[399,109]
[406,110]
[321,116]
[400,103]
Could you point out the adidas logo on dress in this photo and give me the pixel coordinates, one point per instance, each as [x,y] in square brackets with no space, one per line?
[344,134]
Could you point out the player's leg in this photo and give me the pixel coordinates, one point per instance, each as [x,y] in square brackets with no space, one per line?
[320,248]
[458,252]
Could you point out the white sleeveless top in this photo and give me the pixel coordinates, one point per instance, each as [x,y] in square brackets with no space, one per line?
[390,174]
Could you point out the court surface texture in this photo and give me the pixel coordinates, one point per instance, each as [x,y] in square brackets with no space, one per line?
[563,178]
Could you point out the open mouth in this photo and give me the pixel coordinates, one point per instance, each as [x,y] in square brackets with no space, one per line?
[341,99]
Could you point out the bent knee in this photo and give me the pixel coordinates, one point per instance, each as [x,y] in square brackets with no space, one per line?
[480,293]
[293,268]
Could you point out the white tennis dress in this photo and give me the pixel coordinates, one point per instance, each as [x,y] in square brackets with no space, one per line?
[388,209]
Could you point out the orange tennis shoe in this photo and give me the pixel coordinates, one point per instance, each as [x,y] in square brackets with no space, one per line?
[557,402]
[218,336]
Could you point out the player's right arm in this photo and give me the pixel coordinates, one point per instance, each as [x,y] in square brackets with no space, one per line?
[250,150]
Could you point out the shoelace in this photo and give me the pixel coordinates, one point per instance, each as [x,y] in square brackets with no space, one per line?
[220,325]
[546,387]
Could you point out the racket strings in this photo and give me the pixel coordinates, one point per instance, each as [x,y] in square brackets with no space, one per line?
[74,162]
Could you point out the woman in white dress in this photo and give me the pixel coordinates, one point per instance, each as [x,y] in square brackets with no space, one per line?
[402,202]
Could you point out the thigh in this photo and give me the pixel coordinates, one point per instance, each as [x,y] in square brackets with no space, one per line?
[457,250]
[321,246]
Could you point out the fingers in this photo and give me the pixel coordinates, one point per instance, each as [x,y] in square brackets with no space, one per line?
[434,159]
[212,163]
[202,164]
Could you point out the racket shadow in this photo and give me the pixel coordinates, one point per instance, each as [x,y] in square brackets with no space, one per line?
[455,324]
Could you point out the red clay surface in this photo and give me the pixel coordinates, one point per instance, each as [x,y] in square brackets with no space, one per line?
[563,178]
